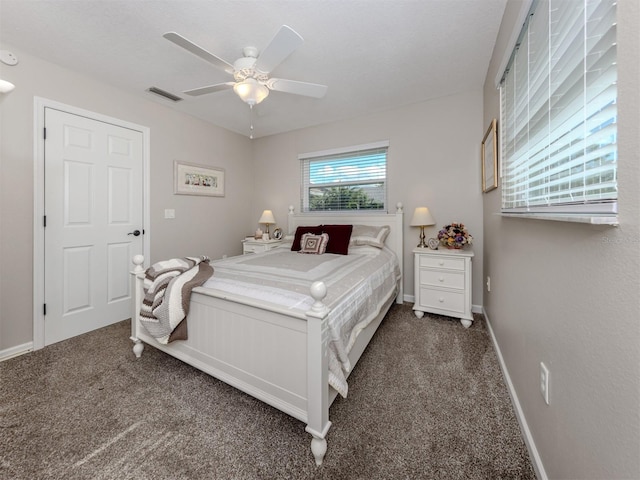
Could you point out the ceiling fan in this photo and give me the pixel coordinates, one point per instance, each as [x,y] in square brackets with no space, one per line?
[251,71]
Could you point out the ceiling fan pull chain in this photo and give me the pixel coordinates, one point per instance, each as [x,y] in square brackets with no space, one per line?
[251,122]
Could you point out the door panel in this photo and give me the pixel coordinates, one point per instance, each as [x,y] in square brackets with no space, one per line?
[118,279]
[77,188]
[76,279]
[120,201]
[93,200]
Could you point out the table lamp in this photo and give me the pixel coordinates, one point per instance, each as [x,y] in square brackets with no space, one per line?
[268,219]
[422,218]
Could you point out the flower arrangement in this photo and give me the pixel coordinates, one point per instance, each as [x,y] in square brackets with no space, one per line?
[454,236]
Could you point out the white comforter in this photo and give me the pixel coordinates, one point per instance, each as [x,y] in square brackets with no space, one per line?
[358,285]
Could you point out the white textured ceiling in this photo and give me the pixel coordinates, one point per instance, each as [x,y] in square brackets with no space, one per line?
[374,55]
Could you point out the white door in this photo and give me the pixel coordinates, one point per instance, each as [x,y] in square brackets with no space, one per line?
[93,209]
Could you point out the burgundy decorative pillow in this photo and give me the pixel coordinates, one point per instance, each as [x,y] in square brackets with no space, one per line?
[295,246]
[339,236]
[316,244]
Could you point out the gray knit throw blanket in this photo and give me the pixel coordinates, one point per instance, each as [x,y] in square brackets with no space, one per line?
[168,286]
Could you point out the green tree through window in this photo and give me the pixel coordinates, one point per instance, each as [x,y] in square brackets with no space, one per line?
[342,198]
[353,178]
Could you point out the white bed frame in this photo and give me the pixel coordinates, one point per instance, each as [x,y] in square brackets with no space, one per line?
[274,355]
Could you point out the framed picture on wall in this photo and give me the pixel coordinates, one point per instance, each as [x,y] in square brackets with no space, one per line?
[193,179]
[490,158]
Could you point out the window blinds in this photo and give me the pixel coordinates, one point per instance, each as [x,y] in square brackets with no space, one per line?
[345,179]
[558,111]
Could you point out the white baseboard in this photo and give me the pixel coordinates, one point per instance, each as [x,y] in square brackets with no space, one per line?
[524,426]
[15,351]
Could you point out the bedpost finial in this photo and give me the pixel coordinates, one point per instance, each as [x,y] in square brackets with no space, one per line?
[318,292]
[399,207]
[138,260]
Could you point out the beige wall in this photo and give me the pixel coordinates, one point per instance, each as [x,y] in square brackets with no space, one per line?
[203,225]
[433,160]
[567,295]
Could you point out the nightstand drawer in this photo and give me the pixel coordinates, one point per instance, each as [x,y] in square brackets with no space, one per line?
[448,263]
[441,278]
[250,245]
[442,300]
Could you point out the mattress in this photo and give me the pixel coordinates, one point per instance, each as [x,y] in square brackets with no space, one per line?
[358,286]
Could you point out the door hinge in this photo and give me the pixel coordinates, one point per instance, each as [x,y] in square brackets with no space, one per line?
[44,220]
[44,308]
[44,133]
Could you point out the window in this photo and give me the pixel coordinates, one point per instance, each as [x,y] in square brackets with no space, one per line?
[354,178]
[558,111]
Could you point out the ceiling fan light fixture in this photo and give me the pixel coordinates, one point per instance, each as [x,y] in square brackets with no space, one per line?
[250,91]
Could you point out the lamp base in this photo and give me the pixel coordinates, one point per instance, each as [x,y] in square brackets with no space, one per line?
[422,243]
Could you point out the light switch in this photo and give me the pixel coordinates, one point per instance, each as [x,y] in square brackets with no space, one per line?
[169,213]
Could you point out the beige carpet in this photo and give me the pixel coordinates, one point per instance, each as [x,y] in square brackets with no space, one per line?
[426,401]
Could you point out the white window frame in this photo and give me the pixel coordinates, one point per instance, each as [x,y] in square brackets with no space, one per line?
[338,154]
[518,203]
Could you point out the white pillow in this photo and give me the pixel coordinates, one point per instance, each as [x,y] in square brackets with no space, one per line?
[368,235]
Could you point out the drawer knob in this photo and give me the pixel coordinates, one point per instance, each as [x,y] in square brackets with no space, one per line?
[441,262]
[441,300]
[441,279]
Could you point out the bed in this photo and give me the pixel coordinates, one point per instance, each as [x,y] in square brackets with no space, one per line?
[280,353]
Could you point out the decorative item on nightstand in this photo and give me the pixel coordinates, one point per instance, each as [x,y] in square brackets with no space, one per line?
[454,236]
[422,218]
[433,243]
[268,219]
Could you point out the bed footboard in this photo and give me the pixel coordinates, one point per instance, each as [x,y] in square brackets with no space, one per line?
[254,364]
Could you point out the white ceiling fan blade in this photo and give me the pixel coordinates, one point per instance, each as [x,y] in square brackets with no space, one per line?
[218,87]
[281,46]
[199,51]
[297,88]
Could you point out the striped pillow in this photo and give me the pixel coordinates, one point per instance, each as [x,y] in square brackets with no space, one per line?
[368,235]
[315,244]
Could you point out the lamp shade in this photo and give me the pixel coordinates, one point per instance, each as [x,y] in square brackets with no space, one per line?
[267,217]
[250,91]
[422,217]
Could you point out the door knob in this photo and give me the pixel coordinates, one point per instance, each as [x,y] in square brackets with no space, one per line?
[135,233]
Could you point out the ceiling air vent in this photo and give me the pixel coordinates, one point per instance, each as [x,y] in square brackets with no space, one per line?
[162,93]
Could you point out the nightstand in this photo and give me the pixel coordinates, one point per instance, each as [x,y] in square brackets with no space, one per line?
[442,283]
[249,245]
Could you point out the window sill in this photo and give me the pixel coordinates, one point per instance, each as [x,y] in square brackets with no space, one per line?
[611,220]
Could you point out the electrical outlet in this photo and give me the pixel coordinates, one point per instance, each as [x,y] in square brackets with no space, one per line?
[544,382]
[488,283]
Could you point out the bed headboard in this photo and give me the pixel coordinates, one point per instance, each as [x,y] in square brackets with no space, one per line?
[394,220]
